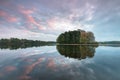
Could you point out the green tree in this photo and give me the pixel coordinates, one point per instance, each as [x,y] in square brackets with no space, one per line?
[76,37]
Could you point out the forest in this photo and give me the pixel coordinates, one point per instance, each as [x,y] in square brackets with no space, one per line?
[76,37]
[110,42]
[15,43]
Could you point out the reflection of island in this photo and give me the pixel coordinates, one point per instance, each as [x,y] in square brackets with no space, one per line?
[76,51]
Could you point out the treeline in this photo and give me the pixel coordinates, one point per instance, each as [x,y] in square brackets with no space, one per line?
[110,42]
[76,37]
[15,43]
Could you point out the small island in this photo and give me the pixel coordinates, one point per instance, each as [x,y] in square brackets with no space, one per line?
[76,37]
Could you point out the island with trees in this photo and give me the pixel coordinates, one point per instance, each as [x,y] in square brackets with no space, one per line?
[76,37]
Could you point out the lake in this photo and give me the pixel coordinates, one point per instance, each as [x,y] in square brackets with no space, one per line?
[59,63]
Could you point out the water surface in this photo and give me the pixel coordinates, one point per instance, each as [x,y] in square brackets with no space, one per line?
[50,63]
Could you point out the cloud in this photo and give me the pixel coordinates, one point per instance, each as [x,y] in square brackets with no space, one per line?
[2,13]
[45,17]
[7,17]
[12,19]
[25,34]
[52,23]
[27,13]
[58,24]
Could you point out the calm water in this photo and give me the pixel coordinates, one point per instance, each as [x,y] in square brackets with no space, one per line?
[58,63]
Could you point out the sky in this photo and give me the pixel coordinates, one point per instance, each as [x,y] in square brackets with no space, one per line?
[46,19]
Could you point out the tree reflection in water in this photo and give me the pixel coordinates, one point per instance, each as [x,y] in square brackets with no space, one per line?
[76,51]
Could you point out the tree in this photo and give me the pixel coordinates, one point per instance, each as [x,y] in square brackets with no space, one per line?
[76,37]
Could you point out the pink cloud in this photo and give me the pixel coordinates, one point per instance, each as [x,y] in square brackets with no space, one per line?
[22,9]
[30,19]
[8,17]
[27,12]
[2,13]
[51,23]
[12,19]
